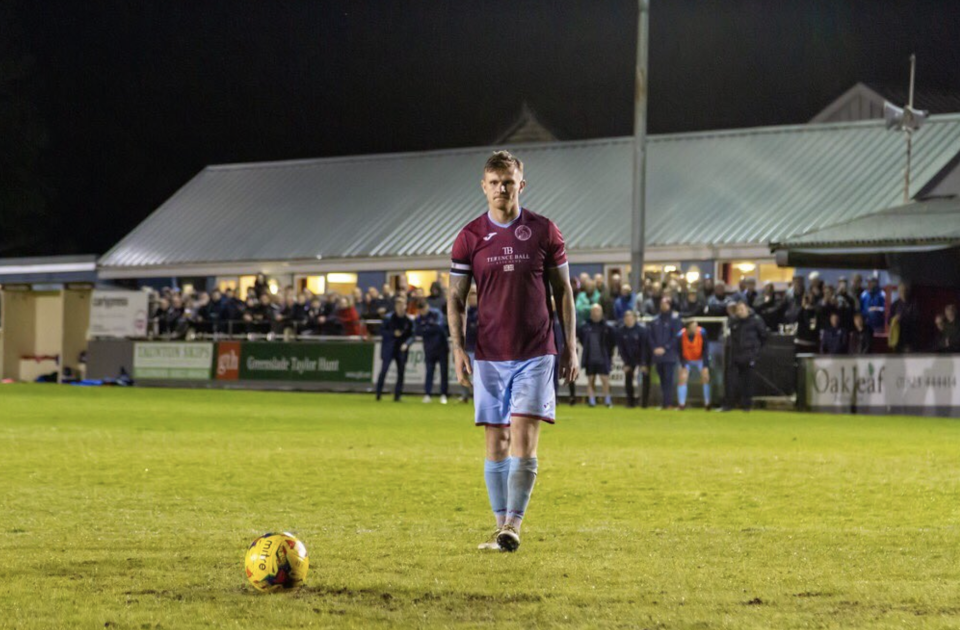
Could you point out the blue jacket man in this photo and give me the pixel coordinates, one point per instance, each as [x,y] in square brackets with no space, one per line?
[431,328]
[873,304]
[396,331]
[664,343]
[626,301]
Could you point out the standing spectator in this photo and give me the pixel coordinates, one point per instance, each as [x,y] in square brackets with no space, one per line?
[315,316]
[437,299]
[430,327]
[616,284]
[252,319]
[693,305]
[598,339]
[748,293]
[232,312]
[718,302]
[606,298]
[807,336]
[625,303]
[768,307]
[905,317]
[348,317]
[707,289]
[873,303]
[664,340]
[694,357]
[948,330]
[260,286]
[848,302]
[395,332]
[861,336]
[747,336]
[833,337]
[651,305]
[856,287]
[793,301]
[159,313]
[634,351]
[585,300]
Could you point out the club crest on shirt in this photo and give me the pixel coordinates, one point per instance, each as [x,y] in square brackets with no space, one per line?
[523,233]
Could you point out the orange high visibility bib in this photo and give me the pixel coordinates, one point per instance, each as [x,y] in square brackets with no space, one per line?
[693,350]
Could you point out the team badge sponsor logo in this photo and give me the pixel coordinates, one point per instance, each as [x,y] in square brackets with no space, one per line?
[523,233]
[490,235]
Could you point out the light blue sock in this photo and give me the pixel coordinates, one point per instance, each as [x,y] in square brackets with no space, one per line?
[592,400]
[706,394]
[607,400]
[496,475]
[523,474]
[682,394]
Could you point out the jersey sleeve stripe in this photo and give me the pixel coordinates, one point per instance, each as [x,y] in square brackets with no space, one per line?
[454,272]
[461,266]
[559,266]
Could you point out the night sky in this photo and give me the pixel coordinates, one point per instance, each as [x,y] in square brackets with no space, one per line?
[107,107]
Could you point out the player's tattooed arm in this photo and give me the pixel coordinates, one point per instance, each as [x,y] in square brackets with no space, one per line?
[456,309]
[559,278]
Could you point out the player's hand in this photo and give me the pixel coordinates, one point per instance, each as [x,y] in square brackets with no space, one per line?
[569,365]
[659,352]
[461,365]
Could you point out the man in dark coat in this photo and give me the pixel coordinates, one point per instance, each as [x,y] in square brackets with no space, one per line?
[665,343]
[833,338]
[395,332]
[598,339]
[431,328]
[861,336]
[748,333]
[634,351]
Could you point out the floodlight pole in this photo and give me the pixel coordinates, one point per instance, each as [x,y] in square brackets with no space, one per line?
[909,131]
[638,236]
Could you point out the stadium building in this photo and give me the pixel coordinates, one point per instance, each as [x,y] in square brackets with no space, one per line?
[716,202]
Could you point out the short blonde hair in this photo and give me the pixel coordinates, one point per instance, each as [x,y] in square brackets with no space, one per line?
[503,161]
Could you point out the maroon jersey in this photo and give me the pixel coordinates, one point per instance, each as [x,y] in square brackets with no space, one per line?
[508,264]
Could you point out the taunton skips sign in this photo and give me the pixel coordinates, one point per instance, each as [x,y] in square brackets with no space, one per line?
[318,362]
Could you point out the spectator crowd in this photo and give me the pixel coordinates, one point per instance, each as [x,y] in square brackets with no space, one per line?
[823,318]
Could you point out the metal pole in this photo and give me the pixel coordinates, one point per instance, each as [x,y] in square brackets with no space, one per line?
[906,172]
[909,132]
[638,236]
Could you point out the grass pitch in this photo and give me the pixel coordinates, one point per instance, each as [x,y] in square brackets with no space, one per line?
[131,508]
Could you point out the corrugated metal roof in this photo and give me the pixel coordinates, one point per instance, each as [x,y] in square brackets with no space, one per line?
[921,222]
[748,186]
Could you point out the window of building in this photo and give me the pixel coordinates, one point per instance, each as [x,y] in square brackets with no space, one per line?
[770,272]
[228,282]
[342,283]
[422,279]
[245,285]
[314,284]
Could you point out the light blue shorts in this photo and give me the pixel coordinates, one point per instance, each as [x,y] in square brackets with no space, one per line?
[694,367]
[503,389]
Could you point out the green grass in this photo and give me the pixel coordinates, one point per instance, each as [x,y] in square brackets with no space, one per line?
[131,508]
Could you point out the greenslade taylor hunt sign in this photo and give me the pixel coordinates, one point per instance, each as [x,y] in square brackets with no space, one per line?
[332,362]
